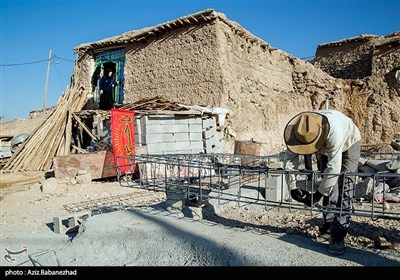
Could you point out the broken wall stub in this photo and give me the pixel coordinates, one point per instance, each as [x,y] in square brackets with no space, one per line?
[360,57]
[351,59]
[386,57]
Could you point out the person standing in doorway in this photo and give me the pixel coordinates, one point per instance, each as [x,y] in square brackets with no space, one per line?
[107,85]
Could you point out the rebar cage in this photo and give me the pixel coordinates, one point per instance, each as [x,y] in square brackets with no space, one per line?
[245,179]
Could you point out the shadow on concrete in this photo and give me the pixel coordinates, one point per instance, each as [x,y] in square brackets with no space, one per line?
[297,237]
[362,257]
[211,248]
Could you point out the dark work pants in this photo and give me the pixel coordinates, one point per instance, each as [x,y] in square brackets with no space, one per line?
[341,197]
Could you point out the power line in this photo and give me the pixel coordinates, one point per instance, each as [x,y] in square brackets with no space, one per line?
[34,62]
[25,63]
[64,59]
[58,74]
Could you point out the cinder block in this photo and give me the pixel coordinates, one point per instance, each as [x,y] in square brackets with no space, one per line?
[181,120]
[275,191]
[188,151]
[169,147]
[152,129]
[185,145]
[211,142]
[143,121]
[214,146]
[154,149]
[160,119]
[181,136]
[195,136]
[195,121]
[138,139]
[160,138]
[207,123]
[63,224]
[221,144]
[137,126]
[208,133]
[179,128]
[195,145]
[195,127]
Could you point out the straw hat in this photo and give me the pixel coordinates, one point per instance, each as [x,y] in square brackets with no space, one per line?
[305,133]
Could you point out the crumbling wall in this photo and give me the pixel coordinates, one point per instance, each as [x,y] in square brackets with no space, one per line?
[351,60]
[375,107]
[83,70]
[182,65]
[372,101]
[386,58]
[265,87]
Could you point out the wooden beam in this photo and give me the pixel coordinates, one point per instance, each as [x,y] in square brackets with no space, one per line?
[68,131]
[84,127]
[80,150]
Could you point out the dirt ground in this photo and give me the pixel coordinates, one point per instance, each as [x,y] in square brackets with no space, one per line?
[27,210]
[30,209]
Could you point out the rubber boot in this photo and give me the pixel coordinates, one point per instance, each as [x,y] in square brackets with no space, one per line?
[336,244]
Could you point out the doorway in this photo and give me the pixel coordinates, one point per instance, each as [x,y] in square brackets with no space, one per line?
[110,60]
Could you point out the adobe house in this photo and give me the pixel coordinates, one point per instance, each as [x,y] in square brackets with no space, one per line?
[373,64]
[206,59]
[360,57]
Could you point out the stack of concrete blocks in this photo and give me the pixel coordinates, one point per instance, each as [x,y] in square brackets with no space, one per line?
[171,134]
[213,137]
[102,128]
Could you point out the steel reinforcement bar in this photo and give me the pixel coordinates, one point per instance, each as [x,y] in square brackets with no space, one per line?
[248,179]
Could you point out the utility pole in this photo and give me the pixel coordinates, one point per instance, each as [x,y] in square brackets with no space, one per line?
[47,82]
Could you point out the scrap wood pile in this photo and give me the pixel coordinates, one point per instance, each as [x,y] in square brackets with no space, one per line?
[154,103]
[84,114]
[52,138]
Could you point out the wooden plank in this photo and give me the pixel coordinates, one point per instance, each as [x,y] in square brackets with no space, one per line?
[68,131]
[80,150]
[84,127]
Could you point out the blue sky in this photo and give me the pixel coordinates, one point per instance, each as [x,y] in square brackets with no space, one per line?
[29,29]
